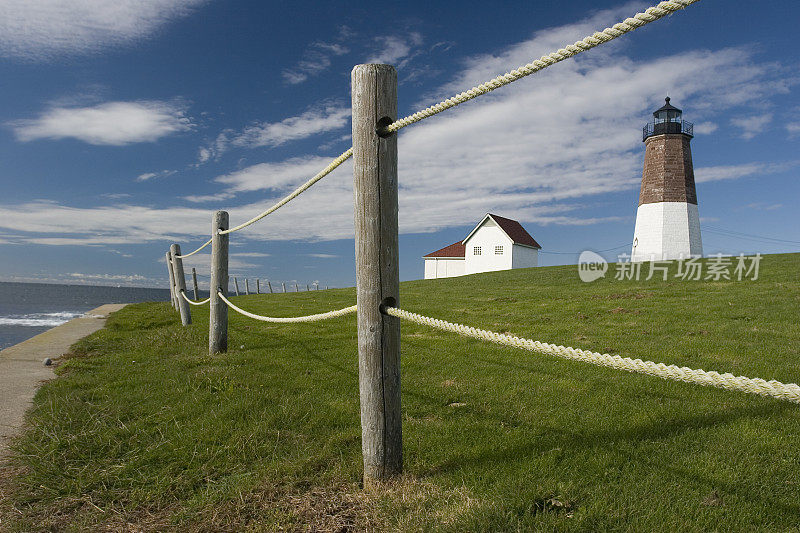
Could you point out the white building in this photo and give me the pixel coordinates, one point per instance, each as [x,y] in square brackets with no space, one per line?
[496,243]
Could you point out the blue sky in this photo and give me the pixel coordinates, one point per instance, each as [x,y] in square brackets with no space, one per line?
[124,125]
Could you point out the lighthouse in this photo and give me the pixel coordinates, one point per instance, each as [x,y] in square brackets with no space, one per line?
[667,220]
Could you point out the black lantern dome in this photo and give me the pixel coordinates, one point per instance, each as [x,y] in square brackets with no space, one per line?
[667,119]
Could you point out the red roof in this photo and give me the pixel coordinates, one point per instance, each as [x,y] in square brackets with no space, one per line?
[457,249]
[515,230]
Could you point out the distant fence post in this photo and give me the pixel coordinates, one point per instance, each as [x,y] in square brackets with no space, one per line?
[374,92]
[218,316]
[247,286]
[284,286]
[258,286]
[236,285]
[269,284]
[296,287]
[173,301]
[180,284]
[307,288]
[194,283]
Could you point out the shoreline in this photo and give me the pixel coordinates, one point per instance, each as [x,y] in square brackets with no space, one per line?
[22,367]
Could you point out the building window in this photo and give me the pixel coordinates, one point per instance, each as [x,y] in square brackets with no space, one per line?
[476,250]
[498,250]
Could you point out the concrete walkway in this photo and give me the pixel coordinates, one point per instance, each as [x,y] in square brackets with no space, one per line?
[22,366]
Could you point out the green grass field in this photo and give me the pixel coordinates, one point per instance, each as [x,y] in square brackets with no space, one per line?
[144,430]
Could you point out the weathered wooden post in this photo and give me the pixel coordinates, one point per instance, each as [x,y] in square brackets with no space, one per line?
[171,281]
[258,286]
[218,315]
[169,278]
[374,92]
[180,284]
[269,284]
[194,283]
[236,285]
[296,287]
[307,288]
[284,286]
[247,286]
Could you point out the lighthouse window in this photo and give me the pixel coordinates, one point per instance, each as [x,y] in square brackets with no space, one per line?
[498,250]
[476,250]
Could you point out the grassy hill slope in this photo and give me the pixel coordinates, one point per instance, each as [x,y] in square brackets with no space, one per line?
[145,429]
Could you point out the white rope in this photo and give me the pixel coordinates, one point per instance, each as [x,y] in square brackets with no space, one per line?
[203,302]
[309,318]
[587,43]
[187,255]
[782,391]
[297,192]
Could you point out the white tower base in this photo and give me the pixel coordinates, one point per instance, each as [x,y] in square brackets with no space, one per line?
[666,231]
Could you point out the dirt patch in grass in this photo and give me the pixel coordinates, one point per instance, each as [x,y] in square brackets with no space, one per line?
[622,310]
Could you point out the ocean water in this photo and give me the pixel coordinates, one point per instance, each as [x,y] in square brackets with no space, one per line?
[27,309]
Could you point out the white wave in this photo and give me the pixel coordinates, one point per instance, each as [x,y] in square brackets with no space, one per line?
[39,320]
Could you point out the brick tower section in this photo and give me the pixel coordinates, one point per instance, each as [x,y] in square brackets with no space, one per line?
[668,174]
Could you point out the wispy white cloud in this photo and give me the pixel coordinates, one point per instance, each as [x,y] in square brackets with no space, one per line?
[750,126]
[705,128]
[316,59]
[396,49]
[111,123]
[206,198]
[744,170]
[763,206]
[323,256]
[793,128]
[147,176]
[318,119]
[41,29]
[265,176]
[311,122]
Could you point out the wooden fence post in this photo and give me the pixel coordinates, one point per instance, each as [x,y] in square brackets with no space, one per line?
[258,286]
[169,278]
[269,284]
[218,315]
[296,287]
[171,281]
[180,284]
[236,285]
[194,283]
[284,286]
[374,92]
[247,286]
[307,288]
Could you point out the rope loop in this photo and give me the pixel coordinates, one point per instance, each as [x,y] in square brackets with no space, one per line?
[789,392]
[309,318]
[192,253]
[203,302]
